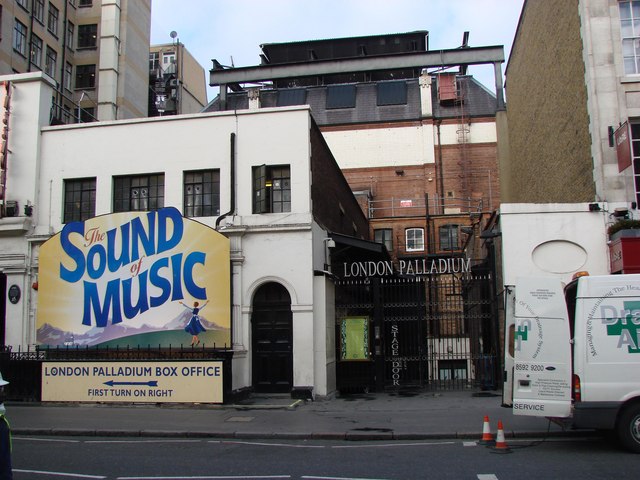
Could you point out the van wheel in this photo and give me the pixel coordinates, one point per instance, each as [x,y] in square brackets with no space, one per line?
[628,428]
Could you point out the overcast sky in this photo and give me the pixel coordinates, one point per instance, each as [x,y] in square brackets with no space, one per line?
[227,30]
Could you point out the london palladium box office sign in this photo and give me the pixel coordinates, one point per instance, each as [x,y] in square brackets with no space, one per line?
[129,279]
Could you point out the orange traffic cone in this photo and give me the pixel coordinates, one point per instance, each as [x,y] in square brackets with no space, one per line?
[487,438]
[501,444]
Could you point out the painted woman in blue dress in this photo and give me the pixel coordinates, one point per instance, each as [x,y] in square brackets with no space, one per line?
[194,326]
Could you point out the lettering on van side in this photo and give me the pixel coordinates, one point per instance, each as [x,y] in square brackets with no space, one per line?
[624,323]
[527,406]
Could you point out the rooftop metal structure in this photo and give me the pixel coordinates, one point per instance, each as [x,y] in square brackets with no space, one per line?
[461,57]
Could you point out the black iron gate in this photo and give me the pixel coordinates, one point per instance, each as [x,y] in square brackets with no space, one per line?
[434,331]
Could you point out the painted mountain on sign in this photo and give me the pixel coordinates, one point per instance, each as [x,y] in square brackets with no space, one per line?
[120,333]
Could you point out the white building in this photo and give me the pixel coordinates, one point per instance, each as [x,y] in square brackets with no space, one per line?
[272,161]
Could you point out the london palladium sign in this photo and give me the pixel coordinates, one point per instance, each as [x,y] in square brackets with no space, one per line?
[415,267]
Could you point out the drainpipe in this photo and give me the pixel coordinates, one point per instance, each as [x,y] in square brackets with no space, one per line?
[440,178]
[232,171]
[59,93]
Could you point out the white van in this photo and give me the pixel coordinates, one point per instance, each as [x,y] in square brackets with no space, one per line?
[573,353]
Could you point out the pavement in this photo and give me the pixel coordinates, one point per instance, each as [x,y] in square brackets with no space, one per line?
[411,415]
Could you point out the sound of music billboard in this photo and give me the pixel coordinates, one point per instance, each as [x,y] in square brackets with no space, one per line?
[134,279]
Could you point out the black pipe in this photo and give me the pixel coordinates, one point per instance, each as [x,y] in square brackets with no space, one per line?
[233,181]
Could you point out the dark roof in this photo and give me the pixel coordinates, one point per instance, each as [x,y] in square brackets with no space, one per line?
[337,48]
[478,102]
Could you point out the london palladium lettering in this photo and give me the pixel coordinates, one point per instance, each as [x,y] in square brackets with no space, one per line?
[419,266]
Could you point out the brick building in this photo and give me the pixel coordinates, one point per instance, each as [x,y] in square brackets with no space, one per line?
[416,142]
[415,137]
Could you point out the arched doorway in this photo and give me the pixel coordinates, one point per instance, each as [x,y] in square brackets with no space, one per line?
[272,339]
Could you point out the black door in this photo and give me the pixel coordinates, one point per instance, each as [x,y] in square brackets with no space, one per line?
[272,339]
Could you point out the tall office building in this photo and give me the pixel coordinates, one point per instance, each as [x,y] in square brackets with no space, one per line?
[93,49]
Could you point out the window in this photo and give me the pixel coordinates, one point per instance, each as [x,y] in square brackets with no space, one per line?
[341,96]
[79,199]
[70,34]
[271,189]
[52,21]
[24,4]
[452,369]
[415,239]
[85,3]
[85,76]
[138,193]
[384,236]
[202,193]
[68,75]
[36,51]
[168,58]
[38,10]
[291,96]
[50,64]
[20,38]
[87,114]
[635,139]
[66,114]
[392,93]
[449,237]
[154,61]
[87,36]
[630,30]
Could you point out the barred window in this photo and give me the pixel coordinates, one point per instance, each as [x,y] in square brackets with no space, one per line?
[202,193]
[79,199]
[138,193]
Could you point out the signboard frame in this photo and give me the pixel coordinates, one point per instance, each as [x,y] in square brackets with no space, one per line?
[197,381]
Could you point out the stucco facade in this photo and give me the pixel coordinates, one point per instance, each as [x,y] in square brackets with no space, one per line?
[286,248]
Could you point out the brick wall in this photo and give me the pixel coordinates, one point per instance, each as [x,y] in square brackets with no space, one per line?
[333,204]
[549,143]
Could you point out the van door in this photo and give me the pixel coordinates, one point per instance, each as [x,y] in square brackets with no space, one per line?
[509,345]
[542,349]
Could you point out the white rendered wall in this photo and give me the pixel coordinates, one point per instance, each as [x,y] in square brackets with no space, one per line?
[480,132]
[382,147]
[264,247]
[29,111]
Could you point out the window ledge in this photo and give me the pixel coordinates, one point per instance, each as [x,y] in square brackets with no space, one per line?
[14,225]
[630,79]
